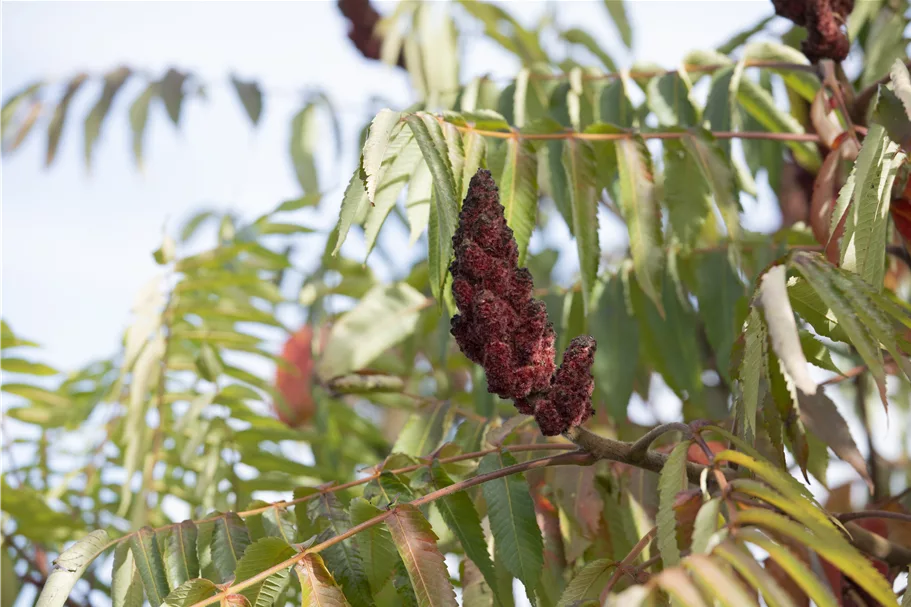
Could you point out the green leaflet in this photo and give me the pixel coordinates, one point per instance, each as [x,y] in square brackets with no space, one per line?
[813,269]
[796,568]
[424,430]
[318,587]
[172,94]
[760,105]
[751,373]
[416,543]
[180,553]
[146,555]
[250,96]
[587,584]
[444,203]
[671,481]
[303,141]
[688,200]
[617,11]
[640,210]
[400,164]
[126,584]
[718,175]
[417,202]
[617,356]
[519,191]
[381,140]
[190,593]
[70,566]
[579,163]
[258,557]
[705,526]
[668,98]
[575,35]
[354,205]
[374,544]
[229,541]
[55,127]
[803,83]
[722,305]
[462,518]
[343,559]
[864,240]
[113,81]
[387,490]
[517,537]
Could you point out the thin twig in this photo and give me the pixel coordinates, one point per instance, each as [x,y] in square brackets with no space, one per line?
[628,560]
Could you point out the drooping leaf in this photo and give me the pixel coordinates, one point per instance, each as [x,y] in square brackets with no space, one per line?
[705,526]
[617,356]
[575,35]
[126,584]
[317,584]
[841,554]
[760,104]
[751,372]
[357,338]
[782,328]
[617,11]
[417,546]
[258,557]
[147,556]
[745,564]
[688,200]
[303,141]
[170,88]
[820,415]
[139,117]
[251,97]
[180,553]
[722,302]
[795,567]
[640,210]
[229,541]
[55,127]
[113,81]
[462,518]
[718,175]
[517,538]
[671,481]
[579,163]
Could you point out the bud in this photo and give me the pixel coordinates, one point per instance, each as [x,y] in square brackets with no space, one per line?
[501,327]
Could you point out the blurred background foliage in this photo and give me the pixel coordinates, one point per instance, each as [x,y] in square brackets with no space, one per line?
[201,409]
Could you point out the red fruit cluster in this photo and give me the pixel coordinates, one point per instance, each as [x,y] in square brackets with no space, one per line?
[825,20]
[503,328]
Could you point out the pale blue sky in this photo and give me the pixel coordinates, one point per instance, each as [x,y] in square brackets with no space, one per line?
[78,245]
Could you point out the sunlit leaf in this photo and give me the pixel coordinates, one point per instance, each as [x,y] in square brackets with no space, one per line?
[126,584]
[317,584]
[417,546]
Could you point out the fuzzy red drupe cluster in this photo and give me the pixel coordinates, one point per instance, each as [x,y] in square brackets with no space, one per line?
[825,20]
[503,328]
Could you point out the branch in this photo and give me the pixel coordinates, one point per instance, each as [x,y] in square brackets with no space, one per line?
[853,516]
[877,546]
[620,451]
[563,459]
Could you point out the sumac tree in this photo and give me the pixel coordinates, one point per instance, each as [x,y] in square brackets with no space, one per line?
[467,426]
